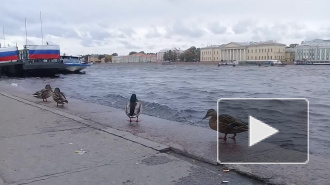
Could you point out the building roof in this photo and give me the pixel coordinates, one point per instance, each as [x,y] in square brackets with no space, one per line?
[213,46]
[315,42]
[290,49]
[264,43]
[173,49]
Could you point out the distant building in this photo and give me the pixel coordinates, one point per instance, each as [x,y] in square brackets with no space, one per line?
[160,54]
[239,51]
[137,57]
[211,53]
[289,55]
[316,50]
[94,59]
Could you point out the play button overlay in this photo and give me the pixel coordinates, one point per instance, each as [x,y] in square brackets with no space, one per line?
[265,131]
[259,131]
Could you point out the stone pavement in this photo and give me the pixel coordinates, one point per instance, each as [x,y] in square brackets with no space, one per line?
[191,141]
[44,145]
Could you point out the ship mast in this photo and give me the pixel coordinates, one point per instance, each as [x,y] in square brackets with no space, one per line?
[4,40]
[42,35]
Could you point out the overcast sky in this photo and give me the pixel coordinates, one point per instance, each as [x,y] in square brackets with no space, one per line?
[108,26]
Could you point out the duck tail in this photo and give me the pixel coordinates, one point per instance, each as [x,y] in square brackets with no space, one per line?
[132,108]
[66,101]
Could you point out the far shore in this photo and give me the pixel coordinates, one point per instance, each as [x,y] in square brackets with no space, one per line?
[159,63]
[174,63]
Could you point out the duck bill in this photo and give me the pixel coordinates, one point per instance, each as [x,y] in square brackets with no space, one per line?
[205,117]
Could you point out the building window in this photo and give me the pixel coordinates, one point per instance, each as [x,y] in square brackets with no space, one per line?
[271,49]
[268,49]
[217,52]
[256,57]
[248,51]
[271,57]
[259,50]
[256,50]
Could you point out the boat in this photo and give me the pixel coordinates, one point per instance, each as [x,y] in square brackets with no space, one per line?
[73,63]
[260,63]
[167,63]
[308,62]
[226,64]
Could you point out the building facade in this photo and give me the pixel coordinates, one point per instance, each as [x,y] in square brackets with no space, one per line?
[236,51]
[290,55]
[94,59]
[211,53]
[316,50]
[160,54]
[138,57]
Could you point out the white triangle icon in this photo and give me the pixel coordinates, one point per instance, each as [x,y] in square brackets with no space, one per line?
[259,131]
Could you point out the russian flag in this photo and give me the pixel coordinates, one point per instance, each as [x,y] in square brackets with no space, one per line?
[44,51]
[8,54]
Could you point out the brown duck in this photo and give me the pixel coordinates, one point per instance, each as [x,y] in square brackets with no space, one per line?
[44,93]
[227,124]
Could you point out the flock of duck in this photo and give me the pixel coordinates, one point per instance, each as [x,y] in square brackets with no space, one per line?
[58,96]
[227,123]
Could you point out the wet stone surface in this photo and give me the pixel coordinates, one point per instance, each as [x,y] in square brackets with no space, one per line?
[156,160]
[199,176]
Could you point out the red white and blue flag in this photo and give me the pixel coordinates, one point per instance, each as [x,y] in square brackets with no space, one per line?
[8,54]
[44,51]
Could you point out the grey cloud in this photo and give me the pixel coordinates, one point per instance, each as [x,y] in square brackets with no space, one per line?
[152,46]
[181,29]
[127,31]
[128,45]
[243,26]
[216,28]
[153,33]
[87,42]
[99,35]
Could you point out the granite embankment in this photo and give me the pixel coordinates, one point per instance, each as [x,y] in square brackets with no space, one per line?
[193,142]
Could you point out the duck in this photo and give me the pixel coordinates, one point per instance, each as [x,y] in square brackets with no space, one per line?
[59,97]
[44,93]
[133,108]
[227,124]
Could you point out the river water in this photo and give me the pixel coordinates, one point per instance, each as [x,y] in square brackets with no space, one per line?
[184,93]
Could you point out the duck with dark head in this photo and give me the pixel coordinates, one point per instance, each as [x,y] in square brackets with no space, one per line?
[133,108]
[59,97]
[227,124]
[44,93]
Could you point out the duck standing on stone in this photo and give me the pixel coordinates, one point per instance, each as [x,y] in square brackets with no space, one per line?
[227,124]
[59,97]
[133,108]
[44,93]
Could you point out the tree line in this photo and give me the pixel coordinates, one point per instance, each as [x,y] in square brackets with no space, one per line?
[191,54]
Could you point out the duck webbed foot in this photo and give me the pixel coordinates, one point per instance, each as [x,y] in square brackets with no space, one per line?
[224,138]
[233,137]
[137,119]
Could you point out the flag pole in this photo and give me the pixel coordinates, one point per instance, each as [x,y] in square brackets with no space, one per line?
[42,35]
[4,40]
[25,33]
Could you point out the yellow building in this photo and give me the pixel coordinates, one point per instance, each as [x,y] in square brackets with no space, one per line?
[289,55]
[238,51]
[211,53]
[266,51]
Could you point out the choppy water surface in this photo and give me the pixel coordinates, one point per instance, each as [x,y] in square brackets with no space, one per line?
[183,93]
